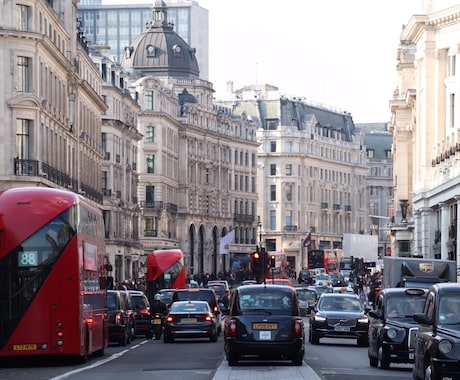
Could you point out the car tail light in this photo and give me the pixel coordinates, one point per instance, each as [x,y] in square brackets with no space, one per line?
[298,328]
[232,328]
[144,312]
[119,319]
[171,318]
[207,318]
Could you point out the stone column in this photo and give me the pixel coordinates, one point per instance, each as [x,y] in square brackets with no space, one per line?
[425,233]
[444,229]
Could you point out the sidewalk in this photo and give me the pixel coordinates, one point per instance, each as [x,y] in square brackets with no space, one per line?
[224,372]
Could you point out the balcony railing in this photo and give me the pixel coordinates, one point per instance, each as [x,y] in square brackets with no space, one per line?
[336,207]
[324,205]
[156,205]
[347,208]
[290,228]
[243,218]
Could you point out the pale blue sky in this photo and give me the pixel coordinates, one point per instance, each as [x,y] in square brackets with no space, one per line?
[341,53]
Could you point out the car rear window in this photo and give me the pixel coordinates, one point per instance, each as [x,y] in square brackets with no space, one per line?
[138,302]
[306,294]
[189,307]
[194,295]
[271,300]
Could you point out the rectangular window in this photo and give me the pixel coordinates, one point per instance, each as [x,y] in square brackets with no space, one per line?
[148,100]
[150,163]
[150,226]
[23,66]
[288,218]
[272,169]
[149,196]
[273,192]
[289,169]
[273,220]
[149,133]
[272,146]
[22,17]
[272,124]
[452,110]
[22,138]
[370,153]
[288,193]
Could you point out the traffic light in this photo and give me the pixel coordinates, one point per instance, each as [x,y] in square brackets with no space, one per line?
[256,261]
[272,261]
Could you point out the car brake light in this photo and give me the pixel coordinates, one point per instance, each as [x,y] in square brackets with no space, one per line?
[207,318]
[144,312]
[171,318]
[232,328]
[119,319]
[298,328]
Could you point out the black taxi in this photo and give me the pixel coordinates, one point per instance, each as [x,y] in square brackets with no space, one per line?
[264,322]
[437,342]
[392,327]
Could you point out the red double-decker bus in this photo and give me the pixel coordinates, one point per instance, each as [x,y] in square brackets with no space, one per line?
[165,270]
[329,259]
[52,272]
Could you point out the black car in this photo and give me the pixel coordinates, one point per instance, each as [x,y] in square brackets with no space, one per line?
[201,294]
[166,296]
[437,342]
[190,319]
[143,316]
[120,322]
[305,277]
[392,327]
[307,298]
[339,315]
[264,322]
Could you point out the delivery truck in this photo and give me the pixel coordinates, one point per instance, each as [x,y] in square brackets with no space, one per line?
[409,272]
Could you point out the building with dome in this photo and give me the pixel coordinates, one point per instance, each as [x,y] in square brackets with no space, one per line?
[197,162]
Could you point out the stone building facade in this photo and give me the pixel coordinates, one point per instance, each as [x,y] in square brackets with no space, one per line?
[312,171]
[425,125]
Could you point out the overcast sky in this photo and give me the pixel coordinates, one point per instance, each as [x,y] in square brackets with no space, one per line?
[341,53]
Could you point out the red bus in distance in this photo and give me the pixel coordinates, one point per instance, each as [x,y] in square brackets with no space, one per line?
[329,259]
[165,270]
[52,274]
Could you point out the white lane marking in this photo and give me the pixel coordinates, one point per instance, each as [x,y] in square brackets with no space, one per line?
[98,363]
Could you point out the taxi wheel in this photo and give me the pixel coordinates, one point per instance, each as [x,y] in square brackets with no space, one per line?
[313,338]
[383,359]
[373,362]
[232,359]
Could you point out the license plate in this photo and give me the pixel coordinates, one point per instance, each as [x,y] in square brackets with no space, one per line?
[188,320]
[24,347]
[157,321]
[265,335]
[264,326]
[342,328]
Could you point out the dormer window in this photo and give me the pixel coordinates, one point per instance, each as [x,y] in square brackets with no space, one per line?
[129,51]
[177,50]
[151,51]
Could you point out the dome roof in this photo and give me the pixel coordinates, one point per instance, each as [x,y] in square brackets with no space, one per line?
[160,51]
